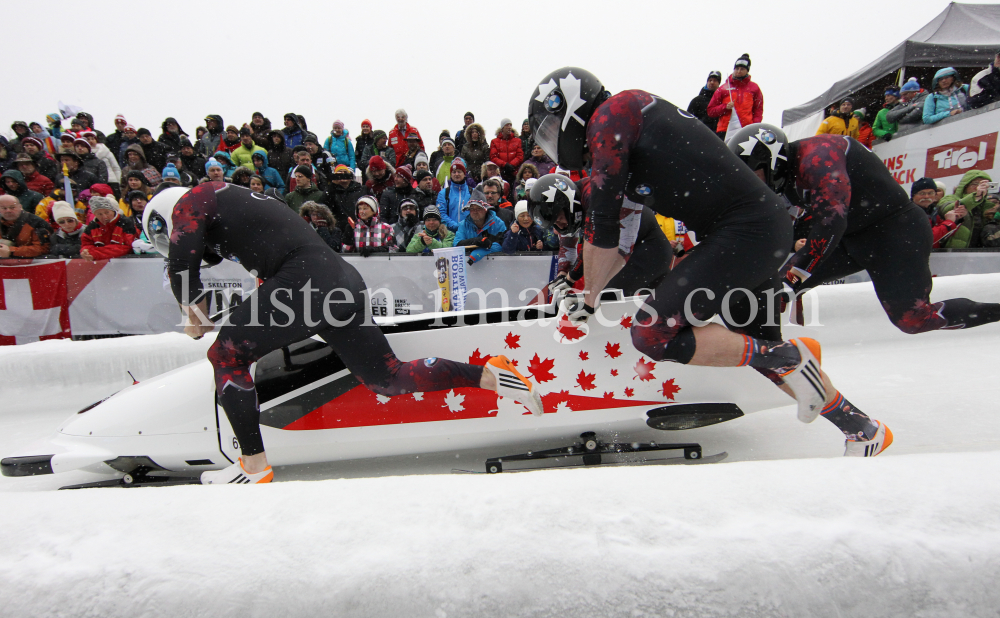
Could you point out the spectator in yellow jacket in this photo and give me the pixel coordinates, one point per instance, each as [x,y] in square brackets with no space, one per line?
[841,122]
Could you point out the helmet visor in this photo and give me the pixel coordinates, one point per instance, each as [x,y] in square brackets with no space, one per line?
[158,235]
[547,136]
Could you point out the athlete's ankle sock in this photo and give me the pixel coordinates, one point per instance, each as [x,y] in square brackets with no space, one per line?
[855,424]
[965,313]
[779,356]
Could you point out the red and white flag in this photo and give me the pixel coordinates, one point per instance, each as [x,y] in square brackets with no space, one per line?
[33,303]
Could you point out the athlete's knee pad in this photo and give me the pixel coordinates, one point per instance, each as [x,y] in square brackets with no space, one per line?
[663,340]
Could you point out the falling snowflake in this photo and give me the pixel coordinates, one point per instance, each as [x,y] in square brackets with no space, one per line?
[541,370]
[584,355]
[629,392]
[614,372]
[670,389]
[613,351]
[418,396]
[512,341]
[453,401]
[382,399]
[644,370]
[585,380]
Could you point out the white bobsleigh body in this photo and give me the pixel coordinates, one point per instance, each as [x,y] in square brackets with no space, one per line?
[313,409]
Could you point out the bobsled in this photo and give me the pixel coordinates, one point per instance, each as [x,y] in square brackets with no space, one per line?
[592,380]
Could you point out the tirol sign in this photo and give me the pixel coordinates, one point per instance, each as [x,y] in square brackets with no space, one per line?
[976,153]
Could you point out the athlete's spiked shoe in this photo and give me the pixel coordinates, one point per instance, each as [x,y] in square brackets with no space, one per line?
[870,448]
[510,383]
[806,379]
[236,475]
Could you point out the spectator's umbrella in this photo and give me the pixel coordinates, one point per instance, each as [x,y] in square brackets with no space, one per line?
[963,35]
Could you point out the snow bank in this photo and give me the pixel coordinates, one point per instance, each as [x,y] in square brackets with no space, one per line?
[905,536]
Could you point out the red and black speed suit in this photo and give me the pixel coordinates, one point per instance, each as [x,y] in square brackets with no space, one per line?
[648,152]
[308,290]
[859,218]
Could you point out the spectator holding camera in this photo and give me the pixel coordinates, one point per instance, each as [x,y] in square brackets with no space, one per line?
[524,234]
[322,220]
[923,193]
[968,202]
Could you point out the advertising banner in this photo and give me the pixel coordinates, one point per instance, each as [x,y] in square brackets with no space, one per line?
[449,266]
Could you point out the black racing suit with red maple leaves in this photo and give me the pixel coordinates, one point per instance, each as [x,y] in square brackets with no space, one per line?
[855,217]
[307,290]
[648,152]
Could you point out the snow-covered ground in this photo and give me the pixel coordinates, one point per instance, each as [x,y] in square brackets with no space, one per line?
[786,527]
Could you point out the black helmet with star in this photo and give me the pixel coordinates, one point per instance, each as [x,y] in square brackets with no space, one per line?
[559,110]
[555,193]
[763,147]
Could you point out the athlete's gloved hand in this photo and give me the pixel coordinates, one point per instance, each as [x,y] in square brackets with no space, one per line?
[575,310]
[558,287]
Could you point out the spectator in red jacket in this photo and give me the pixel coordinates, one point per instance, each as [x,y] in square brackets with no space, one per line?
[865,134]
[397,137]
[740,94]
[109,235]
[505,150]
[924,194]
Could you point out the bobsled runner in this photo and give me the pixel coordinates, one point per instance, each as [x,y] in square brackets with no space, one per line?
[313,410]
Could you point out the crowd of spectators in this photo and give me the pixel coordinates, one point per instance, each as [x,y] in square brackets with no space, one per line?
[78,192]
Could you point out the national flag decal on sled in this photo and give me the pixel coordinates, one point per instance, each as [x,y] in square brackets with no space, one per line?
[33,303]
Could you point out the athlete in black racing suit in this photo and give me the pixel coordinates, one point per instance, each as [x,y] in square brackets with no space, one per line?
[859,218]
[644,151]
[307,290]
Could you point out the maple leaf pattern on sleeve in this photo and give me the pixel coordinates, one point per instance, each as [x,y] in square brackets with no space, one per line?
[821,168]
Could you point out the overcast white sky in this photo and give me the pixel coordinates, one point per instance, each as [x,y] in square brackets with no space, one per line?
[356,60]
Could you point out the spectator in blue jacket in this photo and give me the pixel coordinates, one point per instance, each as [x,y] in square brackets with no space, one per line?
[481,231]
[272,179]
[948,97]
[226,161]
[453,199]
[340,146]
[524,234]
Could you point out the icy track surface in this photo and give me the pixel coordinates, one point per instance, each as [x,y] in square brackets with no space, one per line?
[786,527]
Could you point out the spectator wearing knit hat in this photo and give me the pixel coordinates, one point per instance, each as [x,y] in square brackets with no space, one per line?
[433,234]
[242,155]
[923,193]
[453,198]
[79,178]
[338,144]
[366,139]
[109,235]
[882,128]
[524,234]
[481,231]
[699,105]
[155,152]
[69,233]
[214,171]
[379,176]
[442,169]
[460,138]
[46,165]
[407,224]
[391,199]
[435,157]
[505,150]
[171,175]
[841,122]
[90,161]
[424,193]
[371,235]
[738,102]
[911,106]
[114,140]
[304,190]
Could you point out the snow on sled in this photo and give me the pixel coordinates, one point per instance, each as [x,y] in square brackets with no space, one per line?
[313,409]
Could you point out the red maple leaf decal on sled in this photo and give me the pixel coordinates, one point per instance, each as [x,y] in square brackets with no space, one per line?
[670,389]
[644,371]
[626,322]
[570,332]
[585,380]
[613,351]
[614,372]
[584,355]
[512,341]
[479,359]
[629,392]
[541,370]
